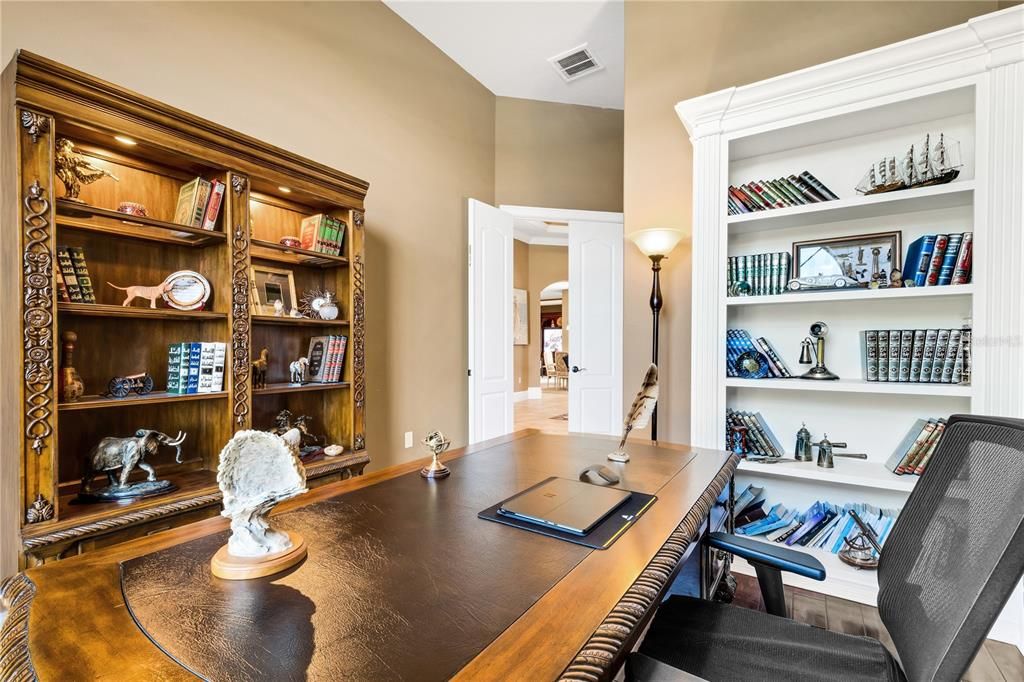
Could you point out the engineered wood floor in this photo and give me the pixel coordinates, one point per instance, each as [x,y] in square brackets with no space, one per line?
[539,414]
[995,662]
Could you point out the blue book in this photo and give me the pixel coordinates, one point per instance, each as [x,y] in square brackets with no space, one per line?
[195,356]
[174,368]
[847,527]
[919,257]
[949,260]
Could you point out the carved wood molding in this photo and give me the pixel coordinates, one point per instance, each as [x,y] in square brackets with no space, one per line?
[237,184]
[617,632]
[41,510]
[36,124]
[16,594]
[38,318]
[358,346]
[240,363]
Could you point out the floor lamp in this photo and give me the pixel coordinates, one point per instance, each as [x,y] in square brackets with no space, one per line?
[656,243]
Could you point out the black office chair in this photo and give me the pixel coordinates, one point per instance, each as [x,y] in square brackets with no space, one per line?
[950,563]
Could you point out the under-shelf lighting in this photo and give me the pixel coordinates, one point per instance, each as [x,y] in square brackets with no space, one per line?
[286,190]
[125,140]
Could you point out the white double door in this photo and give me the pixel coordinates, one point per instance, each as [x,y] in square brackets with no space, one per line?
[595,318]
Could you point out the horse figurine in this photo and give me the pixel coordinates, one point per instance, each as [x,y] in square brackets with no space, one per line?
[297,370]
[259,369]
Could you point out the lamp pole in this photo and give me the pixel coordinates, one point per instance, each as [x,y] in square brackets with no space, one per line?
[656,302]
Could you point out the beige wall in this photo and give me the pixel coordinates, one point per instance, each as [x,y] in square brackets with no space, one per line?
[351,85]
[679,50]
[557,155]
[548,264]
[521,280]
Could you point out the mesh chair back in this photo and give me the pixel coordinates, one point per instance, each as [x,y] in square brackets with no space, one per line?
[957,550]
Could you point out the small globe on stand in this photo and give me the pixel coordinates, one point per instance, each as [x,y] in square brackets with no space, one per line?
[437,444]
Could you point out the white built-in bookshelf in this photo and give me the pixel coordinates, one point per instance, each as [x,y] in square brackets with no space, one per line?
[835,120]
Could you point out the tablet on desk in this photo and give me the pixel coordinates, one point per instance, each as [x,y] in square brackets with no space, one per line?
[572,506]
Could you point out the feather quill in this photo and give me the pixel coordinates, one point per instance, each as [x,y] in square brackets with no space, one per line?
[643,406]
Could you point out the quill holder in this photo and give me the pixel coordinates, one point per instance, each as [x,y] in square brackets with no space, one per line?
[639,412]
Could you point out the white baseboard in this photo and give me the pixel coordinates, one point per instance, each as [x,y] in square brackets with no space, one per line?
[520,395]
[534,393]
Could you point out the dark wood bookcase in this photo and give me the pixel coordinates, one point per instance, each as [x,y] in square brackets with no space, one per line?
[268,193]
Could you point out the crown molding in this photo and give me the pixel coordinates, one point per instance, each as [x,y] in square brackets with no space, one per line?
[983,43]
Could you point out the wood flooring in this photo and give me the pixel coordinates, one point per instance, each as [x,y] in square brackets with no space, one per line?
[995,662]
[539,414]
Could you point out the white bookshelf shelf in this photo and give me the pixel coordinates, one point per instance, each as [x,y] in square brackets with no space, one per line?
[852,295]
[852,386]
[851,472]
[956,193]
[843,581]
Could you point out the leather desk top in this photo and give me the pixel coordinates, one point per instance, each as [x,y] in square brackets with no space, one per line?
[402,581]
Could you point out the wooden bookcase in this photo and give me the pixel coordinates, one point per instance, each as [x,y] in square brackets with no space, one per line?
[268,192]
[835,120]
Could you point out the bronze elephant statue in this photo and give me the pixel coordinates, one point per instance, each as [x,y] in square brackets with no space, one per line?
[112,454]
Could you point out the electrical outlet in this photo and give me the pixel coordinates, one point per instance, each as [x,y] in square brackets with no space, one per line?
[408,439]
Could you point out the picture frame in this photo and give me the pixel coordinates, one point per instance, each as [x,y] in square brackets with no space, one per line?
[520,318]
[270,285]
[861,257]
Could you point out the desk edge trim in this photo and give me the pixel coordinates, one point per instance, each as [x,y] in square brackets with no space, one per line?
[16,594]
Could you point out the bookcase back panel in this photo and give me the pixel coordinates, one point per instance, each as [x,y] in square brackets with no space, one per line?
[323,406]
[273,218]
[205,422]
[840,164]
[869,423]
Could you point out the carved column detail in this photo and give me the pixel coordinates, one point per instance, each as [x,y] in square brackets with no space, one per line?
[358,346]
[238,184]
[16,594]
[241,368]
[35,124]
[38,318]
[41,510]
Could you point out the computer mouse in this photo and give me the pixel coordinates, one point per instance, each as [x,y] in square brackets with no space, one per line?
[599,474]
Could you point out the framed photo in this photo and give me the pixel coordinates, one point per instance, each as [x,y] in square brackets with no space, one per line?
[520,318]
[860,258]
[270,285]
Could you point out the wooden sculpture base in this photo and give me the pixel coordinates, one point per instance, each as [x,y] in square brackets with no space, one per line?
[230,567]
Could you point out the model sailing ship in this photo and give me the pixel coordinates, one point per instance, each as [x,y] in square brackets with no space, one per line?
[924,164]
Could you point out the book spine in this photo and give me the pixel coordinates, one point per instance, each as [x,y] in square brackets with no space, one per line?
[869,354]
[805,189]
[206,354]
[310,229]
[784,279]
[883,355]
[906,352]
[773,280]
[933,445]
[173,368]
[925,260]
[186,202]
[780,193]
[773,357]
[67,270]
[932,278]
[317,356]
[818,186]
[213,205]
[758,200]
[917,355]
[920,443]
[910,466]
[958,362]
[949,260]
[332,351]
[962,269]
[342,347]
[741,199]
[898,455]
[928,359]
[952,351]
[195,358]
[184,367]
[62,287]
[202,198]
[938,362]
[220,351]
[82,274]
[766,197]
[894,355]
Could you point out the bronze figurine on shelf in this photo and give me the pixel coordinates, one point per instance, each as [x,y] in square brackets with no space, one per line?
[437,444]
[71,386]
[297,371]
[123,455]
[259,369]
[310,445]
[74,171]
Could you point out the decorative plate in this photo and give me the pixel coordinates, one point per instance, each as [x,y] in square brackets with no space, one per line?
[187,290]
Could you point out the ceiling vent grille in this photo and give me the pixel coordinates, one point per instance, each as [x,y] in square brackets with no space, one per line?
[575,63]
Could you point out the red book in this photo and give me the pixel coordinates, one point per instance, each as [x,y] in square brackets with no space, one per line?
[962,269]
[213,205]
[941,242]
[741,196]
[765,195]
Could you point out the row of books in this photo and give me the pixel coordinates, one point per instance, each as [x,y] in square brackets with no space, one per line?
[326,358]
[824,525]
[937,356]
[939,259]
[915,451]
[199,203]
[762,195]
[739,341]
[72,275]
[760,439]
[323,233]
[195,367]
[766,273]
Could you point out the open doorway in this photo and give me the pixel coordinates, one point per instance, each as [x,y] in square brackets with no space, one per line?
[560,272]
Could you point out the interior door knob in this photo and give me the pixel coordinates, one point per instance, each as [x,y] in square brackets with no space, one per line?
[578,369]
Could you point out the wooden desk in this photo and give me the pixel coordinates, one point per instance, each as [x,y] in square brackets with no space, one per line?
[420,588]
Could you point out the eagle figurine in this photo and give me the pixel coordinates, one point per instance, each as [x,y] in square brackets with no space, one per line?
[74,171]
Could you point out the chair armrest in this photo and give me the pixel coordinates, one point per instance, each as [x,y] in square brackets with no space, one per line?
[781,558]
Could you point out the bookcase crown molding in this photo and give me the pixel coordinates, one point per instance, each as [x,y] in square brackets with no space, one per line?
[981,44]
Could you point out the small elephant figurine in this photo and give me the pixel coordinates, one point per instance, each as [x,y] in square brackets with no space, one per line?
[123,455]
[297,370]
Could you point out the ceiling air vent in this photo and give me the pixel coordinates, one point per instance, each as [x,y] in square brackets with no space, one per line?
[575,63]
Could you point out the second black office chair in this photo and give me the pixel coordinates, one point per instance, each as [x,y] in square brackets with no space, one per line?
[946,571]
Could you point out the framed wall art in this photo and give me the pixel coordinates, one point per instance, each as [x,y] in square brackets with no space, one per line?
[856,260]
[271,286]
[520,318]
